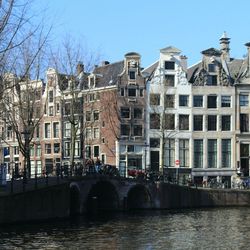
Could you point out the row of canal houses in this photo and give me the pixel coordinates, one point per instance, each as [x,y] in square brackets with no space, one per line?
[183,121]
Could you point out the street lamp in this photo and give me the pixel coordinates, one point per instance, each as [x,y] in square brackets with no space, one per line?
[26,134]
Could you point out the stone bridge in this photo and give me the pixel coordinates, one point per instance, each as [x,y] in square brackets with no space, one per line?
[90,194]
[60,198]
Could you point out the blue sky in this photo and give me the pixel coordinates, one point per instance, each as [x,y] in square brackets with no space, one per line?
[115,27]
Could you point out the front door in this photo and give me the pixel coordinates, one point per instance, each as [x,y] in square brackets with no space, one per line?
[244,159]
[154,160]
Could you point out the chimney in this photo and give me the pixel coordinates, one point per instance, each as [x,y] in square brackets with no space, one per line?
[104,63]
[248,54]
[183,62]
[79,68]
[224,42]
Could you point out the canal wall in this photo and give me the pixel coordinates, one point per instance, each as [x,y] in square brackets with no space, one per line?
[41,204]
[174,196]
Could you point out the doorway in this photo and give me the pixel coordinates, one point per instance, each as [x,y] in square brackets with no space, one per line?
[244,159]
[154,160]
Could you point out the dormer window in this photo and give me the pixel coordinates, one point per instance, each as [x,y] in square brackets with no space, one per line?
[169,65]
[211,67]
[51,96]
[131,74]
[92,81]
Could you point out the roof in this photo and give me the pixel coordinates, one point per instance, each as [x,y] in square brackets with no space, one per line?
[108,74]
[211,52]
[150,69]
[170,49]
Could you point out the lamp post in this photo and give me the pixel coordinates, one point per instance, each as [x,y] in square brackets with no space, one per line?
[12,176]
[26,134]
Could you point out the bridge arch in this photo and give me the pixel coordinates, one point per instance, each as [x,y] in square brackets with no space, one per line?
[138,197]
[75,204]
[102,196]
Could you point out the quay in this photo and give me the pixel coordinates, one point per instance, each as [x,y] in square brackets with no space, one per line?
[52,197]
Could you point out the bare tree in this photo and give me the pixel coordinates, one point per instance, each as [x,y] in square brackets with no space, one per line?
[72,63]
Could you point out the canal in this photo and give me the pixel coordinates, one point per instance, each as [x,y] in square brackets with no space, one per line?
[220,228]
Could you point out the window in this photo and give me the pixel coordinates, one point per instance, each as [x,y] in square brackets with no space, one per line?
[211,122]
[169,65]
[32,150]
[212,101]
[77,148]
[184,152]
[137,130]
[88,151]
[96,151]
[198,153]
[154,99]
[9,132]
[137,113]
[16,150]
[47,130]
[131,92]
[37,132]
[47,148]
[169,153]
[88,133]
[154,121]
[6,151]
[122,92]
[226,153]
[67,149]
[38,150]
[244,123]
[212,153]
[125,112]
[169,121]
[88,116]
[125,130]
[131,148]
[67,108]
[96,115]
[198,101]
[183,100]
[212,80]
[198,122]
[51,96]
[103,158]
[170,80]
[226,101]
[96,133]
[244,100]
[56,148]
[141,92]
[50,111]
[131,74]
[154,143]
[211,67]
[226,123]
[56,129]
[169,101]
[57,107]
[183,122]
[67,129]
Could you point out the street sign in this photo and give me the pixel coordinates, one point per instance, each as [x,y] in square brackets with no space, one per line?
[177,162]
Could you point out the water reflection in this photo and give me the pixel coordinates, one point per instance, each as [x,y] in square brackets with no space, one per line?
[183,229]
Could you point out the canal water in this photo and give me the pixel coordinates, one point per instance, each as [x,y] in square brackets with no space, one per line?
[223,228]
